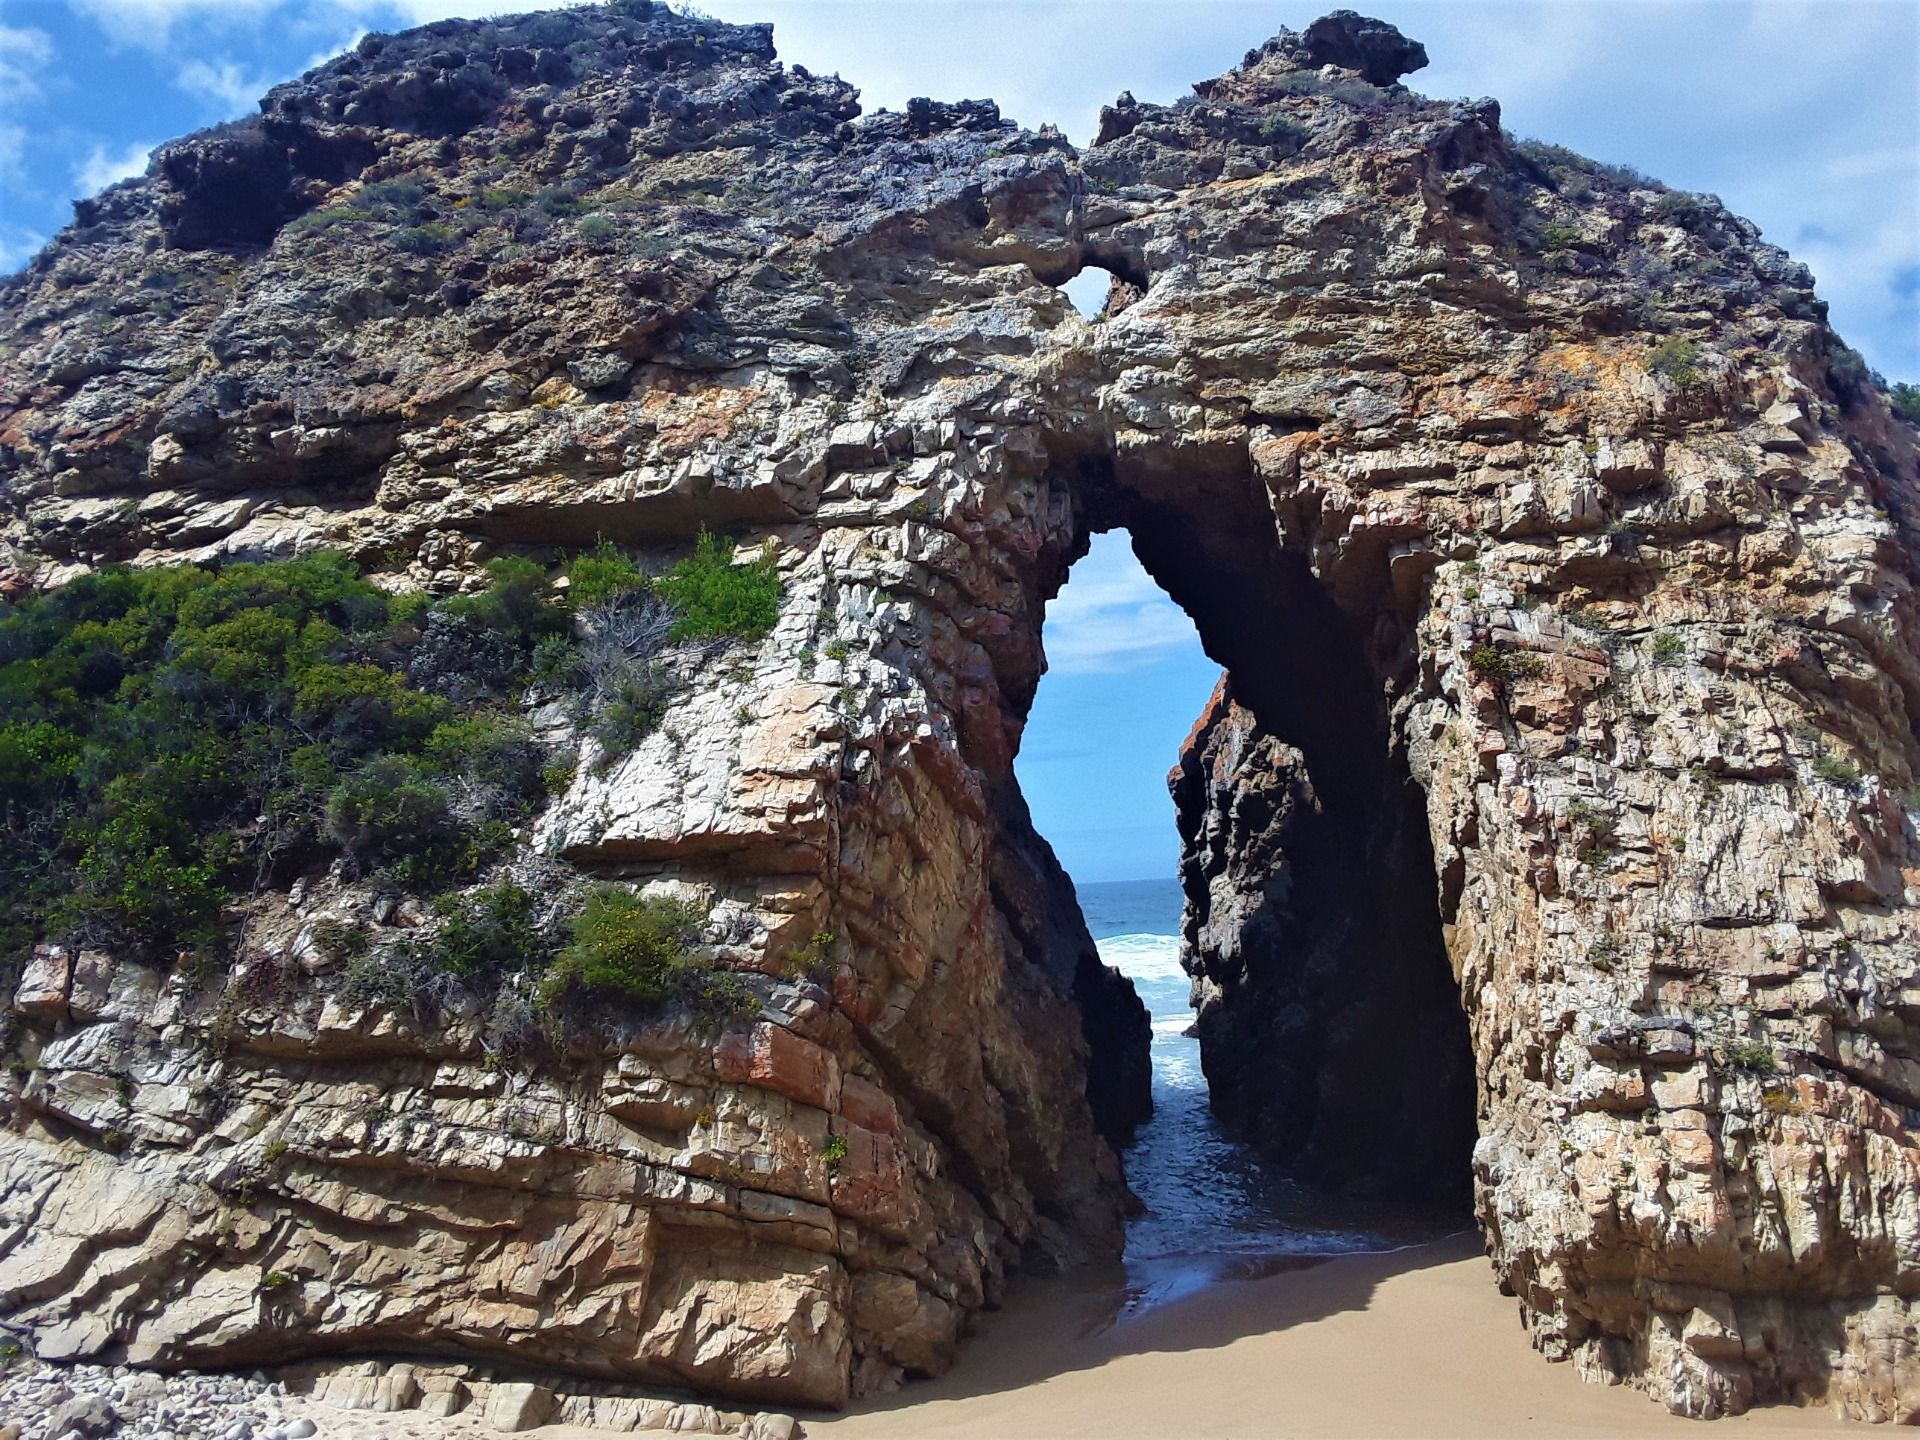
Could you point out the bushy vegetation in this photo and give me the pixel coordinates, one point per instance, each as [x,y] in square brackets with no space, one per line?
[598,575]
[1836,770]
[1668,648]
[1504,666]
[175,737]
[1678,360]
[1570,170]
[1906,402]
[1282,133]
[639,949]
[718,599]
[499,952]
[1754,1056]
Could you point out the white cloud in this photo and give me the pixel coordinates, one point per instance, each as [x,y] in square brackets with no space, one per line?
[103,166]
[223,85]
[150,23]
[13,145]
[23,53]
[17,246]
[1111,618]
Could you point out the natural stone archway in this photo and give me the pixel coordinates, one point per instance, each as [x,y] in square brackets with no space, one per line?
[1521,497]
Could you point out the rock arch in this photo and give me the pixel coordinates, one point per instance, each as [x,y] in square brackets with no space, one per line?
[1594,544]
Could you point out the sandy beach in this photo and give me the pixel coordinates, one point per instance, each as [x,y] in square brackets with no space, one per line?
[1416,1343]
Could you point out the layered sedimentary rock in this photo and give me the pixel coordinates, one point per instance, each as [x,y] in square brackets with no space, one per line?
[1550,538]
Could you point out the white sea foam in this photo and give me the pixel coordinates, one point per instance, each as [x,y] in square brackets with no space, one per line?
[1148,958]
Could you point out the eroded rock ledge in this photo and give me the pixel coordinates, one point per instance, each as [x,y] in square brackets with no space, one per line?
[1518,495]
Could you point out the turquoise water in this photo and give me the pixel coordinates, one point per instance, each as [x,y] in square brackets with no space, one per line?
[1214,1209]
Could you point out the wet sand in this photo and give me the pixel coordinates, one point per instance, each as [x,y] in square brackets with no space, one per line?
[1415,1343]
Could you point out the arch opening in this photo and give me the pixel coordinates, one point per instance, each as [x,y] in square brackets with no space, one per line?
[1327,1053]
[1100,283]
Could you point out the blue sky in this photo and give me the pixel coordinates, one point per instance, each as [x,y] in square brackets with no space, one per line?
[1803,115]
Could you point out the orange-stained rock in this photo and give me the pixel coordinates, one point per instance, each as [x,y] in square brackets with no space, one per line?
[869,1184]
[45,983]
[775,1058]
[867,1105]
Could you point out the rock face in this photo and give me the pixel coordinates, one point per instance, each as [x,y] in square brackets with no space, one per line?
[1330,1029]
[1561,558]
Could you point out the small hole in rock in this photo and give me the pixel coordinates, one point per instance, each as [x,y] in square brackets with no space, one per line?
[1088,291]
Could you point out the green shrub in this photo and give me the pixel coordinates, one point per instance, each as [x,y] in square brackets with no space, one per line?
[1905,399]
[1754,1056]
[176,737]
[834,1152]
[600,574]
[397,201]
[635,709]
[1679,208]
[1836,769]
[1504,666]
[486,933]
[595,227]
[389,809]
[1851,377]
[1559,237]
[1282,133]
[719,599]
[555,663]
[1595,832]
[1668,648]
[490,749]
[422,239]
[328,219]
[1678,360]
[639,949]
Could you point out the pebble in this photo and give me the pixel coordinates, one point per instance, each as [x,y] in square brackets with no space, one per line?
[78,1402]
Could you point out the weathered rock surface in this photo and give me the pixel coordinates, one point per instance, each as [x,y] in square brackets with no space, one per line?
[77,1402]
[1389,404]
[1330,1029]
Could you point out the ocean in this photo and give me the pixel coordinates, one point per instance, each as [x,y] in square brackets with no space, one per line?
[1213,1208]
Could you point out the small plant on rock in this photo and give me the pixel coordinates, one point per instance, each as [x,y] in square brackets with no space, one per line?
[641,949]
[1678,360]
[600,574]
[1836,769]
[1754,1056]
[1282,133]
[1668,648]
[1606,953]
[718,599]
[1594,832]
[834,1152]
[1503,666]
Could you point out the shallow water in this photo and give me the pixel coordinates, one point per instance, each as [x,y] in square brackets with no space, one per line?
[1214,1209]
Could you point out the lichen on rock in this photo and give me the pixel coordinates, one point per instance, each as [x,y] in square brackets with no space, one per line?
[1559,554]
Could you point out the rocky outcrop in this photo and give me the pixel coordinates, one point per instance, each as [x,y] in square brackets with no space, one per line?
[1330,1028]
[1532,506]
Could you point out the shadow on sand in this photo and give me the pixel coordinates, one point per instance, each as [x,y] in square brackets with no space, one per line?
[1052,1327]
